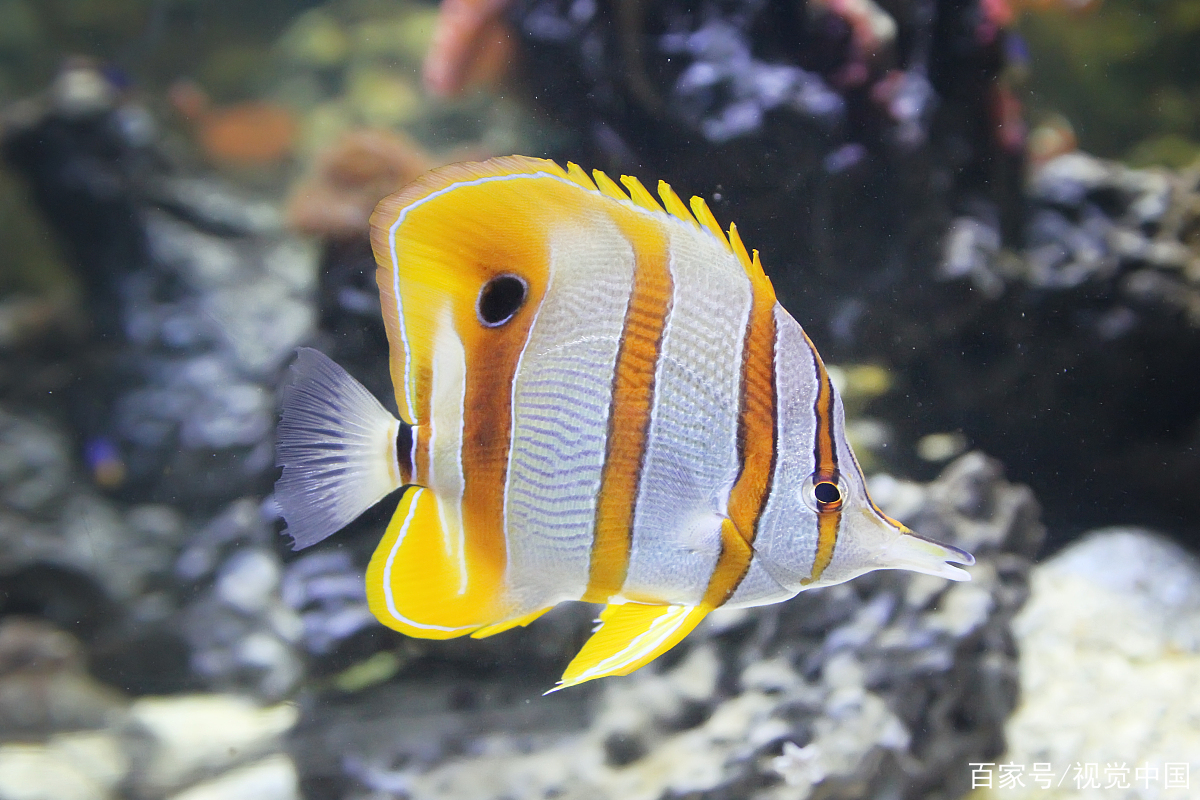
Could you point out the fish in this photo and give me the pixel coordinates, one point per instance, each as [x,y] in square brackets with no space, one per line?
[600,399]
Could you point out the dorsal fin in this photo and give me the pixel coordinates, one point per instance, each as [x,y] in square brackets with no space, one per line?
[739,249]
[639,195]
[580,177]
[674,205]
[707,220]
[390,207]
[607,187]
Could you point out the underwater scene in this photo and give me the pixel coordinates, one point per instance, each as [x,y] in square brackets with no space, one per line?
[599,399]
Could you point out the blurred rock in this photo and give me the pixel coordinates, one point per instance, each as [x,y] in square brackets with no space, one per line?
[198,297]
[1110,651]
[177,741]
[272,778]
[73,766]
[241,632]
[890,684]
[330,595]
[198,747]
[35,464]
[44,688]
[1093,323]
[865,128]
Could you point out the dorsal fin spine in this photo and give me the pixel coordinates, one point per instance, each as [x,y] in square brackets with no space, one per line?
[607,187]
[580,177]
[739,249]
[674,205]
[639,195]
[706,218]
[757,274]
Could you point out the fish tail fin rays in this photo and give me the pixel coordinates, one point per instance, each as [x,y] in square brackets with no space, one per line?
[912,552]
[630,635]
[426,580]
[337,447]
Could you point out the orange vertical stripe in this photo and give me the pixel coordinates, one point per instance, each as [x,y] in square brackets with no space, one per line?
[487,430]
[757,444]
[629,415]
[825,458]
[732,563]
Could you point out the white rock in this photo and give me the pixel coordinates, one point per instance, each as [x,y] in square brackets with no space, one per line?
[76,766]
[273,778]
[249,580]
[1110,659]
[178,740]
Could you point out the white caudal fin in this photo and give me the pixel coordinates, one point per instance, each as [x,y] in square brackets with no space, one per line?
[916,553]
[337,447]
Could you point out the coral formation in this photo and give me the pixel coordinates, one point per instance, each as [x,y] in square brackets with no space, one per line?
[350,177]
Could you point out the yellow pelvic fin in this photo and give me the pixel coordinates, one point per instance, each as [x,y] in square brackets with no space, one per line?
[630,635]
[639,195]
[427,580]
[579,176]
[607,187]
[516,622]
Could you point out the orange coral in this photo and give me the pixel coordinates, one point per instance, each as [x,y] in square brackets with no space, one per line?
[471,46]
[253,133]
[351,176]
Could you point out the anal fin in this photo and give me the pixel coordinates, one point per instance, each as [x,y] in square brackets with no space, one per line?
[427,580]
[630,635]
[516,622]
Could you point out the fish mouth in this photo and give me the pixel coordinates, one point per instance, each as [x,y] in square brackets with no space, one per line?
[914,552]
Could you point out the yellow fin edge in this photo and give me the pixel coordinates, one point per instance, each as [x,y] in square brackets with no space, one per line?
[607,187]
[707,220]
[674,205]
[639,195]
[501,627]
[580,177]
[700,214]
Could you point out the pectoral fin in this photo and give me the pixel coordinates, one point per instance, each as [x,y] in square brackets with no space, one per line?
[630,635]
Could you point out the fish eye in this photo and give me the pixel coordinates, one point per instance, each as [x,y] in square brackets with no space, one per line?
[822,494]
[827,493]
[500,299]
